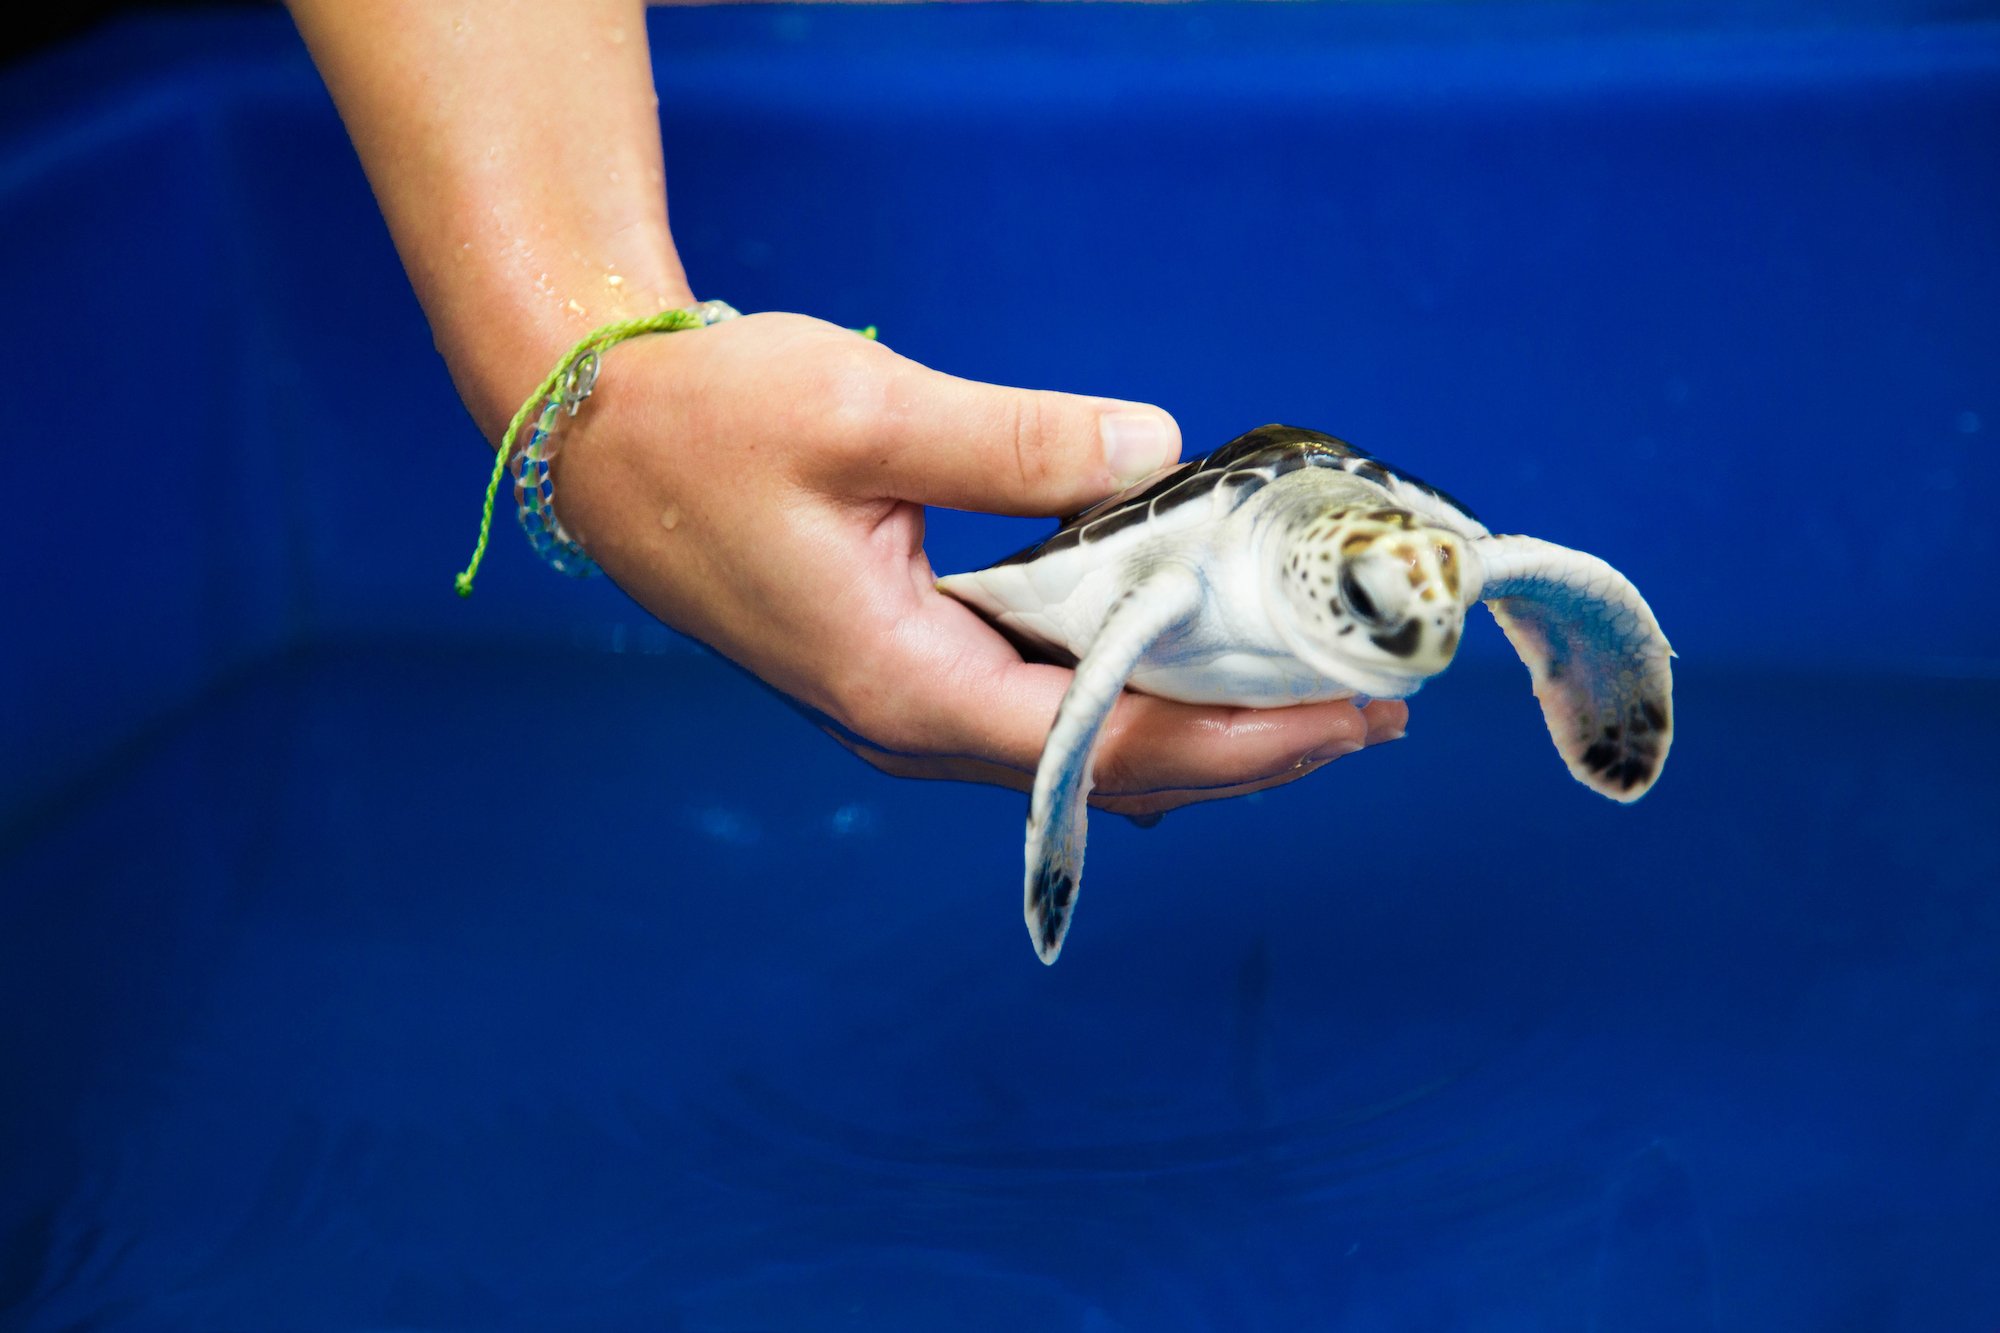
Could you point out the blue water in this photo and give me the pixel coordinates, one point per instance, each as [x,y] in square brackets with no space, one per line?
[411,987]
[427,986]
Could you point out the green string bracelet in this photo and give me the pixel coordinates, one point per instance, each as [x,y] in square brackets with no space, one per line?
[564,390]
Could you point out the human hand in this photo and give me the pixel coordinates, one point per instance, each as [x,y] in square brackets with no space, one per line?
[759,485]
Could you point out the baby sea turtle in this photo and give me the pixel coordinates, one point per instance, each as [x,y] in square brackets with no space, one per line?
[1288,567]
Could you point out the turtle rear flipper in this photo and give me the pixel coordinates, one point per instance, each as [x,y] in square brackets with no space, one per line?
[1599,661]
[1058,810]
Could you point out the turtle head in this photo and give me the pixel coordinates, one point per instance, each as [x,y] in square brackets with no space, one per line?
[1374,597]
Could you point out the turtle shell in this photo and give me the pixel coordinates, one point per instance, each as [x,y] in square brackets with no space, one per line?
[1245,465]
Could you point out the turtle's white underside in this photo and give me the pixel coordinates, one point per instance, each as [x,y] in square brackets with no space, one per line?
[1221,658]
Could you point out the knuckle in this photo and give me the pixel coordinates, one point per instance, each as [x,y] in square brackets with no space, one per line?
[846,394]
[1035,448]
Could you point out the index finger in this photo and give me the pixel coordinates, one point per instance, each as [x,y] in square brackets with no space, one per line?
[1385,722]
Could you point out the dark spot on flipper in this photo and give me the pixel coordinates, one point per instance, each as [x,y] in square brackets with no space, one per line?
[1402,643]
[1054,924]
[1370,470]
[1626,757]
[1654,714]
[1055,889]
[1631,773]
[1054,897]
[1150,820]
[1601,756]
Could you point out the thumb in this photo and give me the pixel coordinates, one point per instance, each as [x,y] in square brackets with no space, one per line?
[962,444]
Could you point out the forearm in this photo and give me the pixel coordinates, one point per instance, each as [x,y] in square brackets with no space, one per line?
[515,152]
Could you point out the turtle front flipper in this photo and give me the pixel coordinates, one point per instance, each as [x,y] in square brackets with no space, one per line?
[1058,808]
[1598,658]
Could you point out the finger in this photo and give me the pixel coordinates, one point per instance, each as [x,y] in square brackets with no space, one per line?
[958,768]
[1166,746]
[1385,719]
[1388,720]
[961,692]
[1149,744]
[1157,803]
[967,445]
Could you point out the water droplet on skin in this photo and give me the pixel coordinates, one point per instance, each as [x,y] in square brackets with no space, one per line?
[577,307]
[613,280]
[670,518]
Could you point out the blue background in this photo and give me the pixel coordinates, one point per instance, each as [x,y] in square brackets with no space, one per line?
[346,983]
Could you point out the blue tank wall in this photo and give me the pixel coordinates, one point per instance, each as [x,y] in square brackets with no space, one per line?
[1710,290]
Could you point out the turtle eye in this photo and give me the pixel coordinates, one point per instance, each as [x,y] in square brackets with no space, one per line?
[1377,609]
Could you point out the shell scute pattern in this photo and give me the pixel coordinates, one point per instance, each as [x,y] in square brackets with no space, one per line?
[1238,470]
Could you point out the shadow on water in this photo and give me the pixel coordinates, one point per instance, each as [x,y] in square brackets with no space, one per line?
[373,993]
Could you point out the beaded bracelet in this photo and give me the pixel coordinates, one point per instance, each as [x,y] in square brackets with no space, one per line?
[562,393]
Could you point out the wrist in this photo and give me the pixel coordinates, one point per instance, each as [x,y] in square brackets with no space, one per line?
[501,342]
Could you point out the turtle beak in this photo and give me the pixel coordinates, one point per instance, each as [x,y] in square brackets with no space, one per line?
[1429,576]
